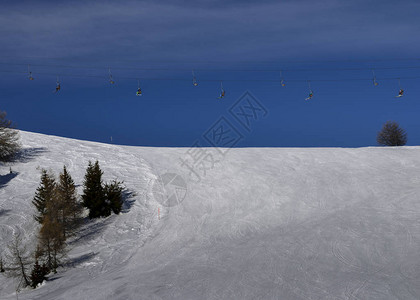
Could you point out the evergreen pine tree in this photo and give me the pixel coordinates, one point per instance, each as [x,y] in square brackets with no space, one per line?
[93,192]
[113,192]
[69,208]
[37,275]
[1,265]
[44,194]
[45,269]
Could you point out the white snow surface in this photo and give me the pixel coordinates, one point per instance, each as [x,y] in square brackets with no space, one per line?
[264,223]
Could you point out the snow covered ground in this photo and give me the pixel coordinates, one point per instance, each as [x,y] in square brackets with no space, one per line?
[263,223]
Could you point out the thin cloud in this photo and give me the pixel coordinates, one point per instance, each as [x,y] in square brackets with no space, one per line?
[223,30]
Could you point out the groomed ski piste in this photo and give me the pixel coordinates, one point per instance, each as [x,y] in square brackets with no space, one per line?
[264,223]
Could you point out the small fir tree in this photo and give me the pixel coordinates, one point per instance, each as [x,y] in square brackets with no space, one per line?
[113,192]
[1,265]
[38,274]
[93,196]
[69,208]
[44,194]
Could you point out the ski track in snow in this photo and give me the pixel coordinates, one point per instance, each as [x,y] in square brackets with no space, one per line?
[265,223]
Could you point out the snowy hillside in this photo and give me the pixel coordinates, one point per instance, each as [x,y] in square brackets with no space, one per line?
[262,223]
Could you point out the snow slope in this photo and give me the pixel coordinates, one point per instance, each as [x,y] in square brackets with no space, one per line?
[264,223]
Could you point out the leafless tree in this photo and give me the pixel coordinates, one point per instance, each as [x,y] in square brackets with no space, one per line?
[19,261]
[51,243]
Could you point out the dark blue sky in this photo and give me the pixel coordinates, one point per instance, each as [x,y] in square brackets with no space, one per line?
[165,40]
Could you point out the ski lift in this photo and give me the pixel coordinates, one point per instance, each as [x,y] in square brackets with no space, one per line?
[194,80]
[30,74]
[375,83]
[222,91]
[282,79]
[58,87]
[401,91]
[138,93]
[111,81]
[311,93]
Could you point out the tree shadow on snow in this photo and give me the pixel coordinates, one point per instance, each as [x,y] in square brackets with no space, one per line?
[53,277]
[90,229]
[76,261]
[28,154]
[128,200]
[4,212]
[5,179]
